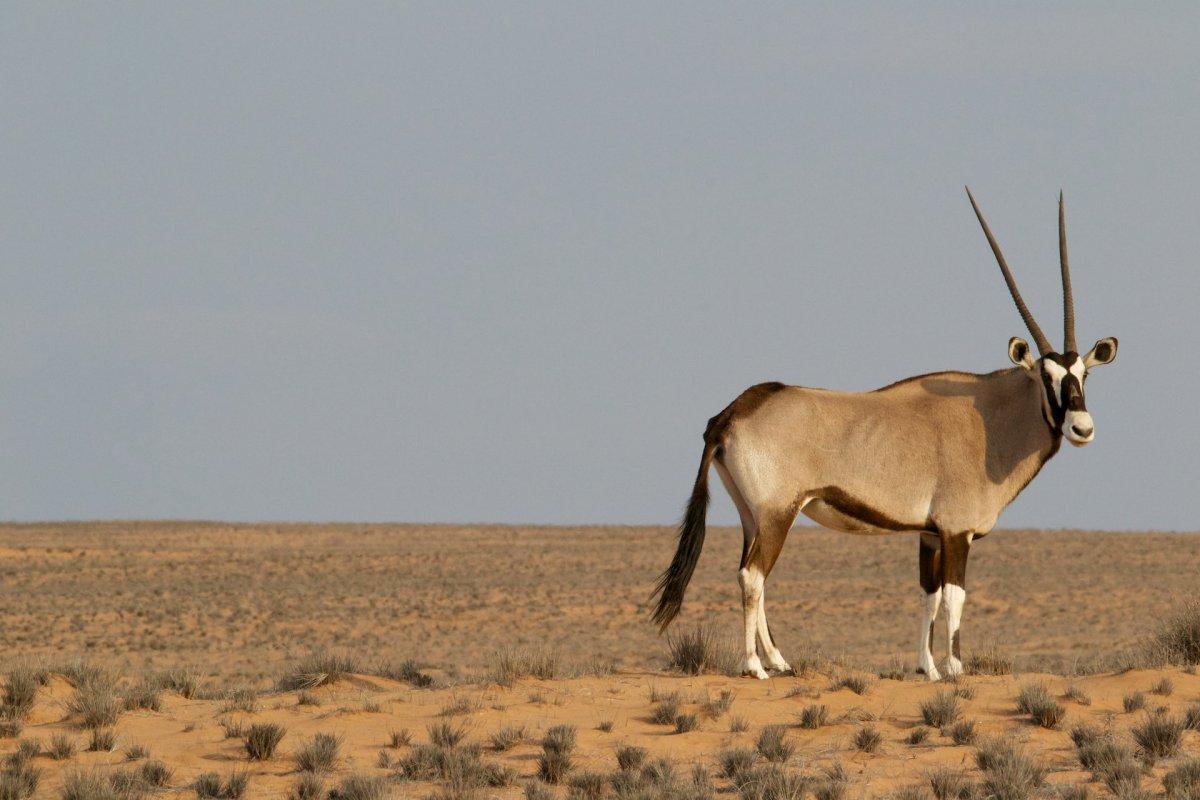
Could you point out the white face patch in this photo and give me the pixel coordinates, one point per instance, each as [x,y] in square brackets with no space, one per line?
[1056,373]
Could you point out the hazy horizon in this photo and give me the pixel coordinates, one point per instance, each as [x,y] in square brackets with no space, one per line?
[451,264]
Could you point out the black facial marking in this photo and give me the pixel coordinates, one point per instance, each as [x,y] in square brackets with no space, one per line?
[1070,394]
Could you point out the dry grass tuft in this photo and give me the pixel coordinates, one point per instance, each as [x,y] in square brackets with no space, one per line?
[61,747]
[948,783]
[509,665]
[736,761]
[360,786]
[988,662]
[867,739]
[917,736]
[773,783]
[773,745]
[1009,774]
[941,709]
[1182,782]
[1076,693]
[813,716]
[1035,700]
[406,671]
[1178,639]
[1159,736]
[261,740]
[702,650]
[210,785]
[19,779]
[961,732]
[507,737]
[859,684]
[665,711]
[317,668]
[318,754]
[103,740]
[309,786]
[1134,702]
[686,723]
[95,701]
[713,708]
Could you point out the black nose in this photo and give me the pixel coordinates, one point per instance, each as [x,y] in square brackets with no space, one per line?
[1081,432]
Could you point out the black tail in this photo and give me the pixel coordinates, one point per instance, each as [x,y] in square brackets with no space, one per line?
[673,583]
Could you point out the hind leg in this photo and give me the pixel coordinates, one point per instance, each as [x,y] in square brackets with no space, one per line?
[751,583]
[756,567]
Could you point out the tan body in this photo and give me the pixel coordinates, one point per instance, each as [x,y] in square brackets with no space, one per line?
[940,452]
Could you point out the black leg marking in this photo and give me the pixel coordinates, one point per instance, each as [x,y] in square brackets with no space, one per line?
[930,562]
[954,646]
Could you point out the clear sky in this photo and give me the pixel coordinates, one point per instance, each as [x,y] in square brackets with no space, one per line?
[501,262]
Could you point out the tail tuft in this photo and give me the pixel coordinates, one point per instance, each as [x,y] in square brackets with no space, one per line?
[673,582]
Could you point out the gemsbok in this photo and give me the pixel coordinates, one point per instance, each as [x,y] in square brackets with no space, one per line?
[940,455]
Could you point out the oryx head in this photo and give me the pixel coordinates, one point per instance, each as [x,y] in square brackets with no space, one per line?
[1061,374]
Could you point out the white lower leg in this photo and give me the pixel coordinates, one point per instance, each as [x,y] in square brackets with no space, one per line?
[775,659]
[954,597]
[751,581]
[930,602]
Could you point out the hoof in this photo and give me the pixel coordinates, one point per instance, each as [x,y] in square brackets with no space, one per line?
[760,673]
[954,668]
[753,668]
[931,674]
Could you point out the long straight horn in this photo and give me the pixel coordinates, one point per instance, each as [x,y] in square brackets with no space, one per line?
[1068,300]
[1039,338]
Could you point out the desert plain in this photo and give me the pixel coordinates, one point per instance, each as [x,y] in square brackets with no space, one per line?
[444,661]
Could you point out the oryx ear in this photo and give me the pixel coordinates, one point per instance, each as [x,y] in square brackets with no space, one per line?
[1018,351]
[1103,352]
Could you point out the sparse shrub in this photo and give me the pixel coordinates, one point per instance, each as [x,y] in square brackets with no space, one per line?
[26,749]
[772,782]
[243,698]
[941,709]
[605,726]
[832,786]
[1035,700]
[233,728]
[10,727]
[317,668]
[736,761]
[320,753]
[587,786]
[738,725]
[1191,717]
[962,732]
[136,752]
[772,744]
[1009,774]
[659,772]
[508,665]
[867,739]
[1068,791]
[143,696]
[988,662]
[360,786]
[553,766]
[406,671]
[507,737]
[307,698]
[459,705]
[814,716]
[233,787]
[261,740]
[1164,687]
[19,779]
[1159,736]
[309,786]
[701,650]
[1182,782]
[1076,693]
[917,735]
[715,707]
[155,773]
[383,760]
[95,700]
[1178,639]
[701,788]
[20,693]
[103,740]
[1084,734]
[61,747]
[859,684]
[87,785]
[894,671]
[183,682]
[630,757]
[664,712]
[560,739]
[685,723]
[371,706]
[948,783]
[1134,702]
[443,734]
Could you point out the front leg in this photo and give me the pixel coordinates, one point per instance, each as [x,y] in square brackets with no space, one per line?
[930,563]
[955,550]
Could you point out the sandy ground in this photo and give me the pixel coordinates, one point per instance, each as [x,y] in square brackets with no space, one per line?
[234,600]
[237,602]
[186,734]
